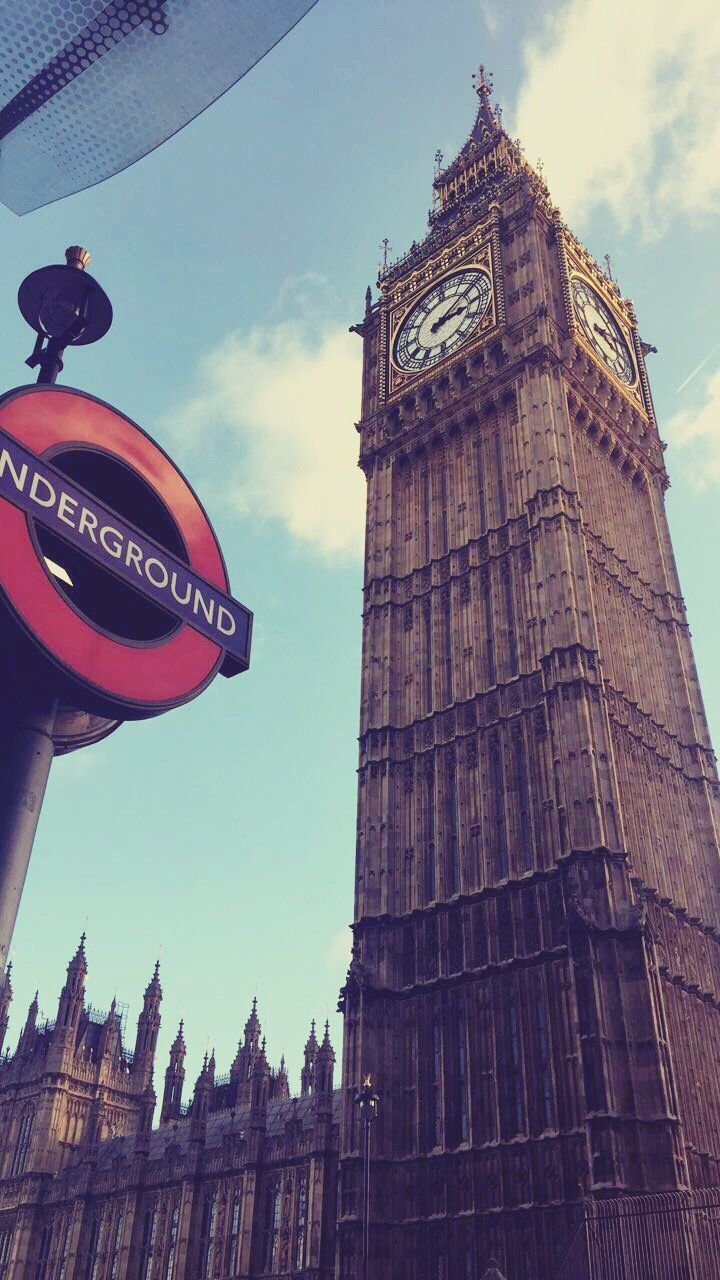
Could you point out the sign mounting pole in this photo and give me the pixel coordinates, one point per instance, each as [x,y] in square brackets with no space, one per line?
[114,596]
[59,309]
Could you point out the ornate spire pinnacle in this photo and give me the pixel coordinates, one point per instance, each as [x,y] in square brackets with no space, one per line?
[312,1044]
[79,960]
[153,989]
[252,1026]
[178,1044]
[483,83]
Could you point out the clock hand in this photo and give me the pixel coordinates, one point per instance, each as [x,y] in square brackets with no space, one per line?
[448,316]
[606,334]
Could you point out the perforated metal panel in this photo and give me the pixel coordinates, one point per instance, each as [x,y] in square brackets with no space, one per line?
[89,86]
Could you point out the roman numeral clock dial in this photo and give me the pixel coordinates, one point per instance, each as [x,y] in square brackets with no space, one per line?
[600,329]
[442,320]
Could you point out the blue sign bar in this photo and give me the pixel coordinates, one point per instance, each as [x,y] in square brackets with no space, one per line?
[40,490]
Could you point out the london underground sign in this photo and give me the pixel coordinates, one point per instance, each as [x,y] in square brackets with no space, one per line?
[108,562]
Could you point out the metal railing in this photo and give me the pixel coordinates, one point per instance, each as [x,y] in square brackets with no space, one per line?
[671,1236]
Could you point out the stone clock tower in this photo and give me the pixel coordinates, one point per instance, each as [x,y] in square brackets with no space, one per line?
[536,971]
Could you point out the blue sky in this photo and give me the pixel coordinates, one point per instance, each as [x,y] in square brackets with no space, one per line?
[236,256]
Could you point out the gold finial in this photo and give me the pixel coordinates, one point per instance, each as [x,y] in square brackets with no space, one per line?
[77,257]
[483,82]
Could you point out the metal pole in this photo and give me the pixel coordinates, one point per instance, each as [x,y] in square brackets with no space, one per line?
[366,1195]
[51,361]
[25,757]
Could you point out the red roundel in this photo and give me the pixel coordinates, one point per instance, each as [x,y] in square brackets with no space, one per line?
[136,678]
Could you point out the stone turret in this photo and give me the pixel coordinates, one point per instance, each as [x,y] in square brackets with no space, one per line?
[27,1036]
[308,1072]
[71,1004]
[259,1089]
[147,1030]
[174,1078]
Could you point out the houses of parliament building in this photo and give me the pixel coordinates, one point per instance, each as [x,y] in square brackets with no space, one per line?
[535,978]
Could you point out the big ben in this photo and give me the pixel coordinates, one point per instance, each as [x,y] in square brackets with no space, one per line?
[536,975]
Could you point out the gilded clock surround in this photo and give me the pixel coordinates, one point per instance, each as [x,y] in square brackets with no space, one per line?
[579,265]
[475,251]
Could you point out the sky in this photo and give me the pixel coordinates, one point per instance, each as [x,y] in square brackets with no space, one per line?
[221,836]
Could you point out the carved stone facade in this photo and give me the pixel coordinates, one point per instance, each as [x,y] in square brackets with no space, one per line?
[239,1182]
[536,977]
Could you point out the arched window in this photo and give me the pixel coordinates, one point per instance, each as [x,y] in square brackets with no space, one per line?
[301,1220]
[92,1248]
[208,1233]
[233,1261]
[117,1242]
[272,1226]
[22,1146]
[172,1242]
[147,1247]
[44,1252]
[62,1261]
[6,1235]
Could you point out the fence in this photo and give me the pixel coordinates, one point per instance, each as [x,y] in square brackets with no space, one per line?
[671,1236]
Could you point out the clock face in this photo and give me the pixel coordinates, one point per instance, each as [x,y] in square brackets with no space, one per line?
[602,331]
[443,319]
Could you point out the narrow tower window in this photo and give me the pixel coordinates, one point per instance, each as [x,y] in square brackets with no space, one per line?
[430,879]
[511,1083]
[510,615]
[462,1071]
[524,798]
[427,625]
[117,1241]
[544,1076]
[489,636]
[443,508]
[453,870]
[434,1109]
[502,503]
[480,485]
[498,790]
[447,647]
[425,504]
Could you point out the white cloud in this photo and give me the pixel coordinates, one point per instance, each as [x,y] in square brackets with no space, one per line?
[282,401]
[697,432]
[339,951]
[77,765]
[621,99]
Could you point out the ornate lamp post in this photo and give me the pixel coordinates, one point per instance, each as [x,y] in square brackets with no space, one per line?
[367,1100]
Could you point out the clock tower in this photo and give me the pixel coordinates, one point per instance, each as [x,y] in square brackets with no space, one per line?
[536,973]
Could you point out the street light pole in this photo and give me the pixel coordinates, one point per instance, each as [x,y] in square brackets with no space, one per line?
[367,1100]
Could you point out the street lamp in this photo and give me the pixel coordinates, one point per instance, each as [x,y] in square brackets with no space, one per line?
[367,1101]
[66,307]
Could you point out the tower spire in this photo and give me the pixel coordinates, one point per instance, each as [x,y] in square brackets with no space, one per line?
[174,1078]
[148,1028]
